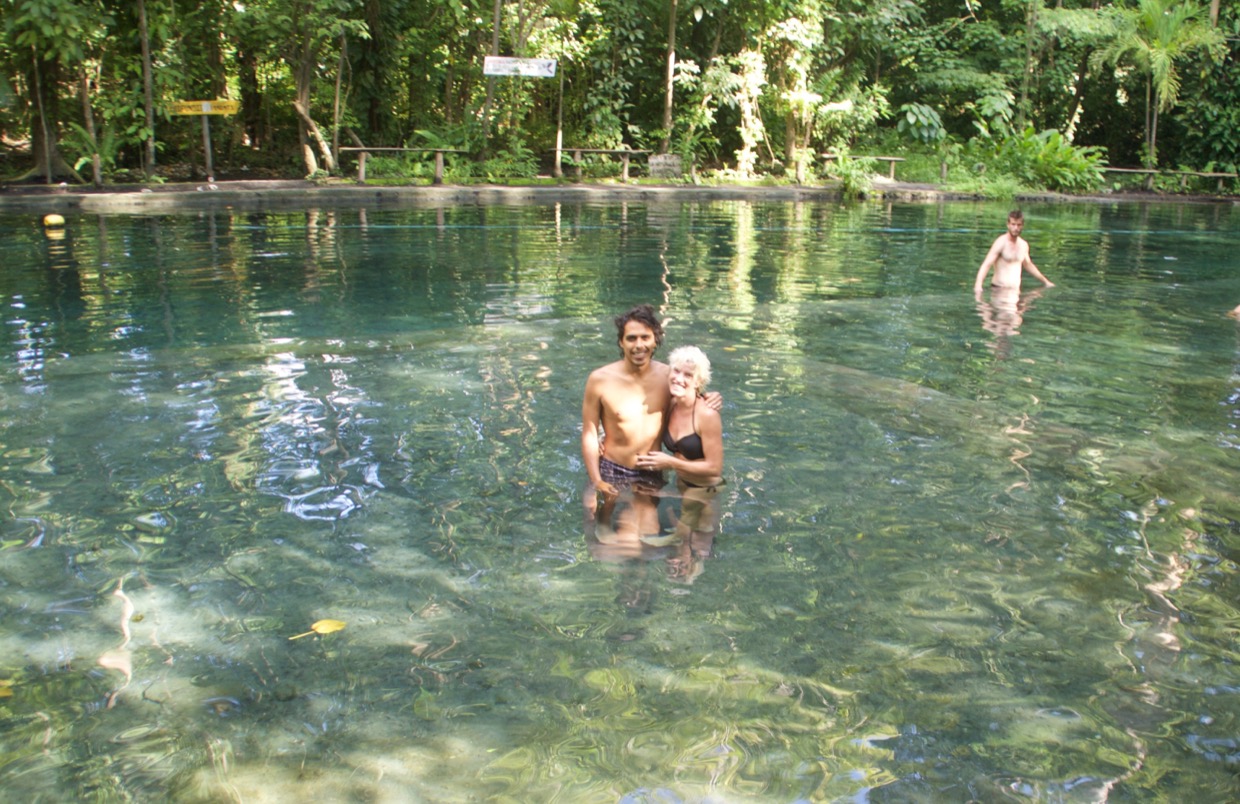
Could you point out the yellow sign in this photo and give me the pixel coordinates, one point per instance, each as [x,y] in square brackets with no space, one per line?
[204,107]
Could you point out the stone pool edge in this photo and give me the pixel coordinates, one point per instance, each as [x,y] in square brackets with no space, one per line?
[292,194]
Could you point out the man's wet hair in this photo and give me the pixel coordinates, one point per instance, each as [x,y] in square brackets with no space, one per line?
[1016,215]
[643,314]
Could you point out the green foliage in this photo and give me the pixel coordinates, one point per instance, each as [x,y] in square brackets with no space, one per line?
[1155,36]
[54,30]
[994,188]
[854,173]
[692,134]
[737,82]
[921,123]
[613,60]
[516,161]
[403,166]
[839,125]
[947,63]
[450,138]
[994,111]
[752,80]
[81,148]
[1209,128]
[1048,159]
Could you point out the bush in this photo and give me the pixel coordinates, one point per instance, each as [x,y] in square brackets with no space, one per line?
[515,161]
[1047,159]
[853,173]
[404,166]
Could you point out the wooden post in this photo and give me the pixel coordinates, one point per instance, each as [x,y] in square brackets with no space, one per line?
[438,167]
[557,170]
[206,145]
[148,94]
[361,167]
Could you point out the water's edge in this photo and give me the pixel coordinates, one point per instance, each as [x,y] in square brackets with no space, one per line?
[291,194]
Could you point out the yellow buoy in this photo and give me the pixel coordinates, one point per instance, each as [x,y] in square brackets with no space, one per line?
[53,220]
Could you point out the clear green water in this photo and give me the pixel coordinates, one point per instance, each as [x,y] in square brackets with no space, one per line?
[954,565]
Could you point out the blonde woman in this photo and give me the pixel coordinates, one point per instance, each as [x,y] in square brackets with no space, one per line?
[693,435]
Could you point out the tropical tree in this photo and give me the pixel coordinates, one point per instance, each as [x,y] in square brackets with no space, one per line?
[1069,37]
[1208,127]
[793,41]
[46,40]
[304,34]
[1154,37]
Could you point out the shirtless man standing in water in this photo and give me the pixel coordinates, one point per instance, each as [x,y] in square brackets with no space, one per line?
[626,398]
[1009,255]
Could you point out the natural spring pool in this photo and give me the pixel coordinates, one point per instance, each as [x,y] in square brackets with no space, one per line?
[963,557]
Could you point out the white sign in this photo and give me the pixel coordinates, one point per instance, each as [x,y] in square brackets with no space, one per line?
[506,65]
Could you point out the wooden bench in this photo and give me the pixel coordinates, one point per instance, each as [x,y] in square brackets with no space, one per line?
[1149,174]
[364,151]
[1204,174]
[890,160]
[623,153]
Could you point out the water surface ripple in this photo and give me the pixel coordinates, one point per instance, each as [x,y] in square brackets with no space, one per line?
[967,552]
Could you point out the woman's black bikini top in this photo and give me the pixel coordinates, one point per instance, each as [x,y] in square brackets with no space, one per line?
[690,446]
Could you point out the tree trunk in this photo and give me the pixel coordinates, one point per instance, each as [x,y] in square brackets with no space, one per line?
[792,137]
[1074,107]
[340,65]
[148,91]
[375,51]
[1214,13]
[1154,139]
[449,88]
[1022,107]
[49,164]
[251,98]
[307,130]
[1151,120]
[304,124]
[88,120]
[486,106]
[312,132]
[669,79]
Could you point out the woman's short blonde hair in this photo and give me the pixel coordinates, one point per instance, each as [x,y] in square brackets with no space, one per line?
[692,356]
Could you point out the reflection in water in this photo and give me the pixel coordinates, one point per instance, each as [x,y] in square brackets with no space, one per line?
[696,525]
[1003,314]
[935,577]
[686,524]
[617,531]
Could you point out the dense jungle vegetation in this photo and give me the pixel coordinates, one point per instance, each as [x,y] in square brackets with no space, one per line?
[989,94]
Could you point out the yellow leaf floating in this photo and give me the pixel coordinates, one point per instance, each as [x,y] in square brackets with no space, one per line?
[322,627]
